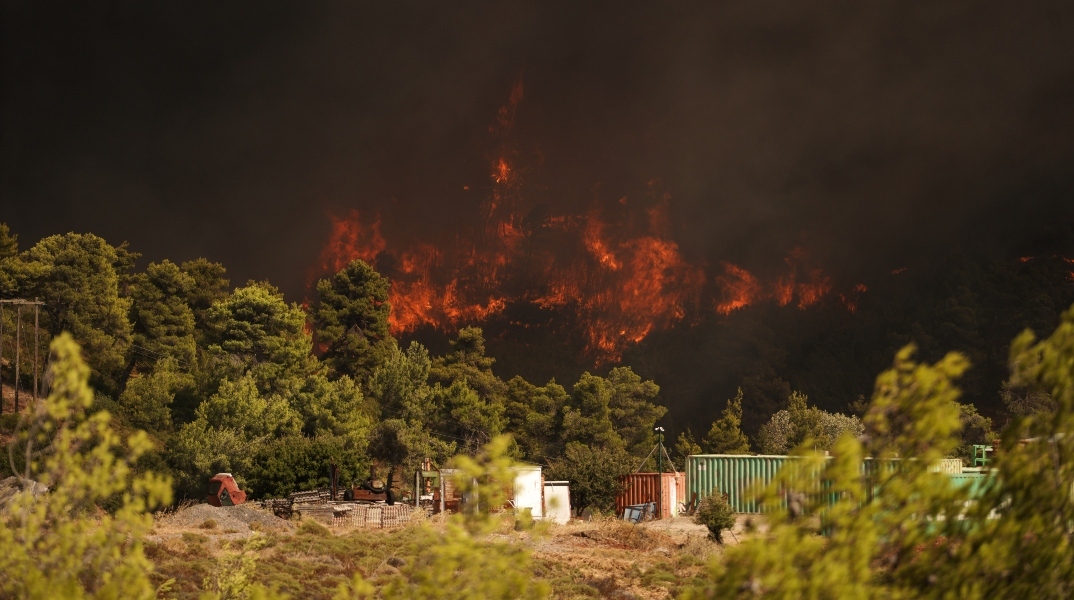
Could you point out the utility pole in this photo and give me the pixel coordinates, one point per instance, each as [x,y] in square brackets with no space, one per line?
[659,472]
[1,358]
[18,302]
[18,330]
[37,345]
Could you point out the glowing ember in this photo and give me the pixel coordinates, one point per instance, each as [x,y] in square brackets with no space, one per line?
[850,299]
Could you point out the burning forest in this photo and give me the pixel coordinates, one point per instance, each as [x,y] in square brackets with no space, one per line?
[614,266]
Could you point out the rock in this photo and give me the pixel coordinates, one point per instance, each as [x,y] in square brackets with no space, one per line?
[11,486]
[236,518]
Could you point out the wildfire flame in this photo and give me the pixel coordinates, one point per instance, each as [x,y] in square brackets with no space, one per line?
[800,285]
[623,278]
[351,239]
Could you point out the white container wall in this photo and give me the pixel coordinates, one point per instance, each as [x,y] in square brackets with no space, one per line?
[557,501]
[528,490]
[673,495]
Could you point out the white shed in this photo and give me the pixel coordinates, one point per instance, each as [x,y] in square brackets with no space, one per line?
[557,501]
[528,490]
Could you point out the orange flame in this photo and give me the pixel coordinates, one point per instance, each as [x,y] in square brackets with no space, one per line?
[597,246]
[623,280]
[740,289]
[350,239]
[850,299]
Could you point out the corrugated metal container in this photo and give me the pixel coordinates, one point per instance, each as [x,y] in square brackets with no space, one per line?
[739,475]
[974,481]
[732,474]
[951,466]
[640,488]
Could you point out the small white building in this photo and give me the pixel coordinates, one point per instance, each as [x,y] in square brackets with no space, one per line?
[529,493]
[557,501]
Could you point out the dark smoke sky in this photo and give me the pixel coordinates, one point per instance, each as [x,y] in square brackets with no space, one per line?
[872,133]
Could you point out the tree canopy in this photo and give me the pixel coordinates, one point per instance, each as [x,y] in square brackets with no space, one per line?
[351,317]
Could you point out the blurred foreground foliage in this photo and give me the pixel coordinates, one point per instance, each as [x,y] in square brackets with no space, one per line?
[57,543]
[462,561]
[898,530]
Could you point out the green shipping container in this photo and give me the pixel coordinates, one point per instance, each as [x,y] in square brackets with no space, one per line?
[737,475]
[974,481]
[731,474]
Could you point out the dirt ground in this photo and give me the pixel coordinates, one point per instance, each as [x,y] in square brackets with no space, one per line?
[605,557]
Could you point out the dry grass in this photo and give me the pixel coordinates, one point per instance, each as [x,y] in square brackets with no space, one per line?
[605,558]
[610,558]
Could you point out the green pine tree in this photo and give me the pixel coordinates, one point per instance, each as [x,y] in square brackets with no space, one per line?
[163,324]
[254,331]
[351,318]
[75,275]
[685,445]
[9,242]
[725,436]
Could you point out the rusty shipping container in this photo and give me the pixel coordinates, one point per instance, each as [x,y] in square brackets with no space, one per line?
[642,488]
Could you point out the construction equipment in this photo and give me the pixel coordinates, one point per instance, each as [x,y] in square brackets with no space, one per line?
[223,491]
[292,506]
[371,490]
[427,488]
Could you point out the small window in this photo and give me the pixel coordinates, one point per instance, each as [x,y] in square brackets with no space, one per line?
[214,487]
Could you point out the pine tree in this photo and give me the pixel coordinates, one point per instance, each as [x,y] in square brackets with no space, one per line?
[9,242]
[725,436]
[352,320]
[685,445]
[255,331]
[75,275]
[163,324]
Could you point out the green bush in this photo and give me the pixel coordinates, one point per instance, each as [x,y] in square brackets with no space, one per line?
[297,462]
[715,513]
[57,545]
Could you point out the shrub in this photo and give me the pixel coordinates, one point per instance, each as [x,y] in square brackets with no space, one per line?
[790,427]
[58,545]
[594,474]
[311,527]
[715,513]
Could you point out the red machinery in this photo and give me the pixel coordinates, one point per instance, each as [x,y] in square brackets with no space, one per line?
[223,491]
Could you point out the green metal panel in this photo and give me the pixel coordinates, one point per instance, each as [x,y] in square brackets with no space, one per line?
[974,481]
[734,475]
[737,475]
